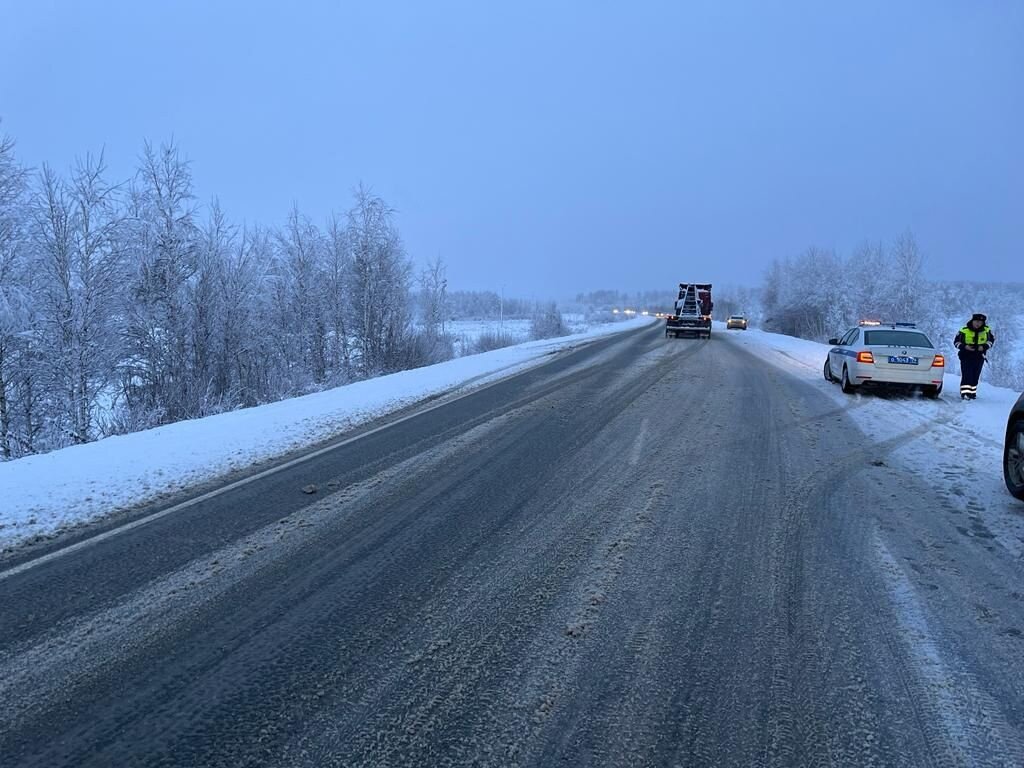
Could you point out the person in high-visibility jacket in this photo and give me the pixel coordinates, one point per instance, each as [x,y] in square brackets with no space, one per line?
[972,344]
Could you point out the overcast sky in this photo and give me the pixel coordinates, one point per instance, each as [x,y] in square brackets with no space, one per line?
[552,147]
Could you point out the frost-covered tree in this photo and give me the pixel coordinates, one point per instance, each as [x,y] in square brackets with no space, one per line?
[245,351]
[54,260]
[437,343]
[14,297]
[299,300]
[163,250]
[78,262]
[206,309]
[434,296]
[100,277]
[869,282]
[379,287]
[907,279]
[337,271]
[547,322]
[803,296]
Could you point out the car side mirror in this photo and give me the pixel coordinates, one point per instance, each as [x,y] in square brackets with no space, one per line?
[834,342]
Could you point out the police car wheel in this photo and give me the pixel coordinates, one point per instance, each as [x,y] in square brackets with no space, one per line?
[932,392]
[848,388]
[828,372]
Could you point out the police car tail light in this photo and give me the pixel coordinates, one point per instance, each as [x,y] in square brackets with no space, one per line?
[865,357]
[939,361]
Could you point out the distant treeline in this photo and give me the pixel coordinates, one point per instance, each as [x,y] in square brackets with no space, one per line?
[486,305]
[659,300]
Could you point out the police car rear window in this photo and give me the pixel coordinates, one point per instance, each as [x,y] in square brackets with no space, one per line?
[896,339]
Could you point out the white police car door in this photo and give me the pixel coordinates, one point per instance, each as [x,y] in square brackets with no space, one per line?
[836,358]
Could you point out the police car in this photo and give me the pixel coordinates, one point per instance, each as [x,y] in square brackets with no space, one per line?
[889,354]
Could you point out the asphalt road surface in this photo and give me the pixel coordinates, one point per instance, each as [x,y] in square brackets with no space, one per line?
[648,552]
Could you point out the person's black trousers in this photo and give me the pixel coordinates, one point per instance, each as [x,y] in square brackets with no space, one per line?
[970,371]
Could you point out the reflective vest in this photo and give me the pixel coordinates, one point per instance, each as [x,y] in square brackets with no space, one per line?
[973,337]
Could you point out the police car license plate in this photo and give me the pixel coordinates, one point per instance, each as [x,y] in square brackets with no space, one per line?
[903,360]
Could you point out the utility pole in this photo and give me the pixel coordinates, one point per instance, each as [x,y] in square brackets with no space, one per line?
[501,312]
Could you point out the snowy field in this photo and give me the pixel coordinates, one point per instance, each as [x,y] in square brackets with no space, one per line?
[39,495]
[466,332]
[955,445]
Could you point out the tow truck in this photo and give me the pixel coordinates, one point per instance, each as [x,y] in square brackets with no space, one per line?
[692,315]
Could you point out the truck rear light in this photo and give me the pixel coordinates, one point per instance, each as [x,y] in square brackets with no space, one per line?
[939,361]
[865,357]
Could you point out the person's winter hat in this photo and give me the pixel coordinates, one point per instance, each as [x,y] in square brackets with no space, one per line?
[979,316]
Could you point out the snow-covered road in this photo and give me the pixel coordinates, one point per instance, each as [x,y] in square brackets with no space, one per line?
[647,552]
